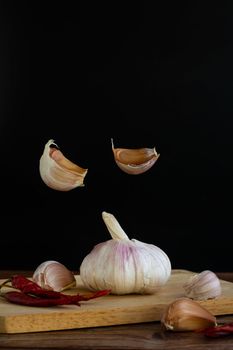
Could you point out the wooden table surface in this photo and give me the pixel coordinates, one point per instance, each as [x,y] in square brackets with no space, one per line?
[133,336]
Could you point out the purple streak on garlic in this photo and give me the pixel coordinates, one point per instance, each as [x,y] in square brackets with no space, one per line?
[125,266]
[202,286]
[53,275]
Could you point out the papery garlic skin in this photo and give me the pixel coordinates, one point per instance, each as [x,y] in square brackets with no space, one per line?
[58,172]
[135,161]
[53,275]
[125,266]
[202,286]
[184,314]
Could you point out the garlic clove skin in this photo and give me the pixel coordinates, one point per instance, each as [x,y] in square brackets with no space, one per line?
[53,275]
[125,266]
[203,286]
[58,172]
[135,161]
[185,314]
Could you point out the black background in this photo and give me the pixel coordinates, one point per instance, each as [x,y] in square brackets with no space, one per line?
[143,75]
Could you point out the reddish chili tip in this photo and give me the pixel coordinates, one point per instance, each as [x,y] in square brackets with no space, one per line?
[218,331]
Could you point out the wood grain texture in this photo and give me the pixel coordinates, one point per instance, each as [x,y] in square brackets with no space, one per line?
[106,311]
[148,336]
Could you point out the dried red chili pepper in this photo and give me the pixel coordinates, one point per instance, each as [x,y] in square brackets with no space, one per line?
[63,299]
[24,284]
[218,331]
[27,286]
[29,300]
[32,294]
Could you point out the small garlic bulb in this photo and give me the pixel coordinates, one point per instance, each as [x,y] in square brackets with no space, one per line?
[53,275]
[135,161]
[184,314]
[58,172]
[124,266]
[202,286]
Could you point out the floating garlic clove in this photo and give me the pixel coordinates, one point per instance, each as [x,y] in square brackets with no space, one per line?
[185,314]
[202,286]
[135,161]
[58,172]
[53,275]
[125,266]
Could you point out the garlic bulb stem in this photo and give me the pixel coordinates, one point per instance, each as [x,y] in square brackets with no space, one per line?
[113,226]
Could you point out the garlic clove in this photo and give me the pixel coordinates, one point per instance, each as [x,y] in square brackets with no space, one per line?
[58,172]
[125,266]
[135,161]
[185,314]
[53,275]
[202,286]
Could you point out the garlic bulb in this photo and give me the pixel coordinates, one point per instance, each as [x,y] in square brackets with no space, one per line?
[135,161]
[185,314]
[205,285]
[53,275]
[125,266]
[58,172]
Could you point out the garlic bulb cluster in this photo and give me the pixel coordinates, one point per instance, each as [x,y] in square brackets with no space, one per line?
[58,172]
[53,275]
[134,161]
[184,314]
[124,266]
[202,286]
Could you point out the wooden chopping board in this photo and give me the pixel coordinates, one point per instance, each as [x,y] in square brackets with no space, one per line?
[107,310]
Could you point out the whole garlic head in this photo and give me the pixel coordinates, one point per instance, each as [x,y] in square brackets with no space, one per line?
[58,172]
[125,266]
[53,275]
[202,286]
